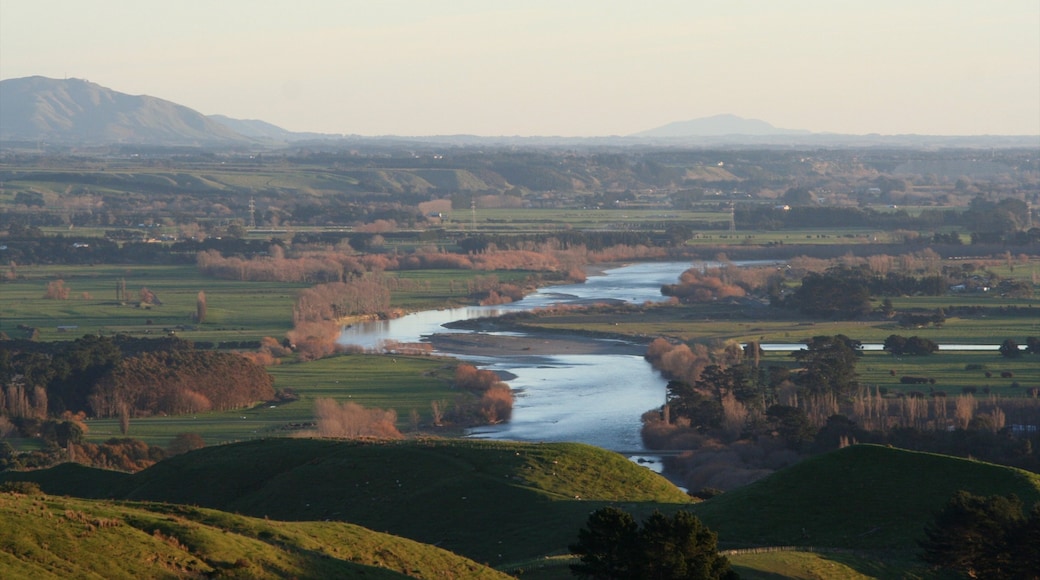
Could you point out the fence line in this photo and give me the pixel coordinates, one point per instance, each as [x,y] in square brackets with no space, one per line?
[767,549]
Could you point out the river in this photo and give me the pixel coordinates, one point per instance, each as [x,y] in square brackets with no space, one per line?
[596,399]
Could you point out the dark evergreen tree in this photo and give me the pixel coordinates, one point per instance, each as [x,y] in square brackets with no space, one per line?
[613,546]
[791,424]
[1032,345]
[914,346]
[607,545]
[828,365]
[983,537]
[840,293]
[1009,349]
[679,547]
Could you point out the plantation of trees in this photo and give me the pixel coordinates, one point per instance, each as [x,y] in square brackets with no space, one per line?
[94,376]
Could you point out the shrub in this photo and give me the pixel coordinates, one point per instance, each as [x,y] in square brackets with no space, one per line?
[22,487]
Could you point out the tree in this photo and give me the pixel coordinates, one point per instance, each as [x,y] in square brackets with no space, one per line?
[913,346]
[56,290]
[983,537]
[666,547]
[839,293]
[200,307]
[791,424]
[887,309]
[607,545]
[799,196]
[680,547]
[185,442]
[148,297]
[895,344]
[1009,349]
[828,365]
[1032,345]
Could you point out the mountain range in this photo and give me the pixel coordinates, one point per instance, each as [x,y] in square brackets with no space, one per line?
[78,112]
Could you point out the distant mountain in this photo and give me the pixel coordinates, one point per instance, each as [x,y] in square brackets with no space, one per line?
[78,111]
[257,129]
[717,126]
[252,127]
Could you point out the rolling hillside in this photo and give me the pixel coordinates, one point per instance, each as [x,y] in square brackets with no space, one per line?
[58,537]
[511,504]
[861,497]
[490,501]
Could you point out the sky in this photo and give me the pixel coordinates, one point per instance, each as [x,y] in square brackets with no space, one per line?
[551,67]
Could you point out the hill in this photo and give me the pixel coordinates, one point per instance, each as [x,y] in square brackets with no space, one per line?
[717,126]
[860,497]
[509,504]
[495,502]
[262,130]
[59,537]
[253,128]
[78,111]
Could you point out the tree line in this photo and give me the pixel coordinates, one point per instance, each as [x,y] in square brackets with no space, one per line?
[93,375]
[744,420]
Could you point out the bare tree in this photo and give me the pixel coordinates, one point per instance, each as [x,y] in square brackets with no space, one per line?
[57,290]
[200,307]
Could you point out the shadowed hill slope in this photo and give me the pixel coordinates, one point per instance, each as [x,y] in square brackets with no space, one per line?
[505,503]
[494,502]
[862,497]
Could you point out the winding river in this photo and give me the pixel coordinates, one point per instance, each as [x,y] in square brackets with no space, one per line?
[596,399]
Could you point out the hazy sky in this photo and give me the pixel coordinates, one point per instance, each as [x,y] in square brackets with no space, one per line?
[553,67]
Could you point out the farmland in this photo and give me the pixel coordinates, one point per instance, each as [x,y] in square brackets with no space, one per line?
[113,247]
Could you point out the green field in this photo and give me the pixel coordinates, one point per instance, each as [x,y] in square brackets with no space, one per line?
[236,310]
[714,324]
[400,383]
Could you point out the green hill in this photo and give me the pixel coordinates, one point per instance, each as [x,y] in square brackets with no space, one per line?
[860,497]
[58,537]
[495,502]
[508,504]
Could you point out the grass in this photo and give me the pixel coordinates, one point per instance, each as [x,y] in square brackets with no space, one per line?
[60,537]
[820,565]
[717,323]
[494,502]
[401,383]
[517,506]
[236,311]
[864,497]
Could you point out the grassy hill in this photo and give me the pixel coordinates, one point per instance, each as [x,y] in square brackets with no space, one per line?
[45,536]
[860,497]
[495,502]
[509,504]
